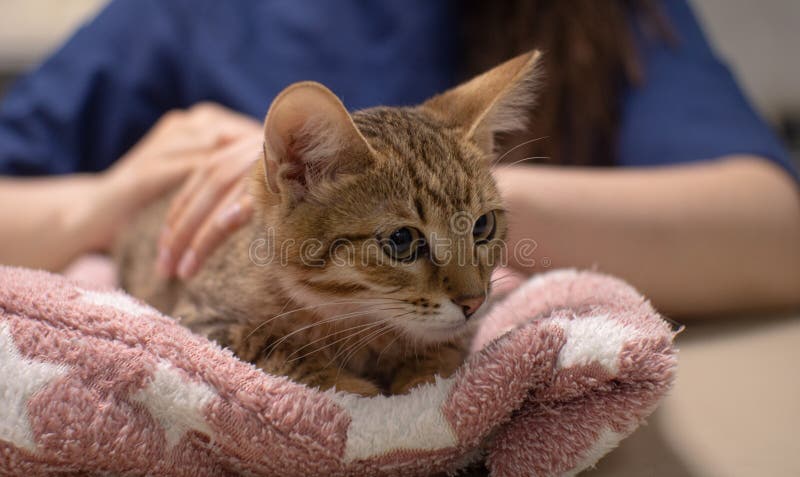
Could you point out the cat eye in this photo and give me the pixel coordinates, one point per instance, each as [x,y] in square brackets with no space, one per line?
[405,244]
[484,228]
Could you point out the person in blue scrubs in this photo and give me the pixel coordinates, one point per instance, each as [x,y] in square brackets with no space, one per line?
[153,95]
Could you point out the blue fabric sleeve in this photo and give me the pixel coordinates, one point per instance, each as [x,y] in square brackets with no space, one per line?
[690,107]
[90,101]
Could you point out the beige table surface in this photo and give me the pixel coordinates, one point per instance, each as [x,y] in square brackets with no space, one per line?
[734,410]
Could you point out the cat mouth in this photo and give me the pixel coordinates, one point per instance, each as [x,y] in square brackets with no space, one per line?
[436,333]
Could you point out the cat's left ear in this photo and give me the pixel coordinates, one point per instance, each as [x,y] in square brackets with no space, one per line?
[309,137]
[498,100]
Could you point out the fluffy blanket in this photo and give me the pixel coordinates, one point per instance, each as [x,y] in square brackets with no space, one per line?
[94,382]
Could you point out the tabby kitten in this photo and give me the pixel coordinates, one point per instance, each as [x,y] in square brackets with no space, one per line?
[375,238]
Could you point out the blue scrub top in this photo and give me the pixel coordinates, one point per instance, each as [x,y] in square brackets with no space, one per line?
[100,92]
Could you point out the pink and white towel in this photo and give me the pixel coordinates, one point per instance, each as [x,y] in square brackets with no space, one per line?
[94,382]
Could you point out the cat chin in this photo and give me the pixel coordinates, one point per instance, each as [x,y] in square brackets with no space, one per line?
[450,326]
[431,335]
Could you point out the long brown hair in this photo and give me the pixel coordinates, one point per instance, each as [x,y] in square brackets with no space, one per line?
[590,56]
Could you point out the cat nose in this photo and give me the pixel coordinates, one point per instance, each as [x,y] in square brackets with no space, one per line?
[469,303]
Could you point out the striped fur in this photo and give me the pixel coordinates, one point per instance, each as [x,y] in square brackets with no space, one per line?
[331,309]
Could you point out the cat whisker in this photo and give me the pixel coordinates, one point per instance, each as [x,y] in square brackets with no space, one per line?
[501,278]
[358,343]
[288,300]
[528,159]
[360,329]
[359,326]
[378,361]
[339,302]
[332,319]
[370,338]
[318,305]
[517,147]
[497,280]
[345,350]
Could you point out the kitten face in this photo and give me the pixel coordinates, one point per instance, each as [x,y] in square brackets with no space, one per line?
[391,213]
[403,235]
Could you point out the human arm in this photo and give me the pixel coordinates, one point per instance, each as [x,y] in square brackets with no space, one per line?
[47,222]
[72,117]
[699,239]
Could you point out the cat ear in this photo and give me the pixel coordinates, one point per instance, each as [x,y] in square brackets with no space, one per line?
[309,137]
[498,100]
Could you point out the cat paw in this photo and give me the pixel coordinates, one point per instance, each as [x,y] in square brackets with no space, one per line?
[356,386]
[403,387]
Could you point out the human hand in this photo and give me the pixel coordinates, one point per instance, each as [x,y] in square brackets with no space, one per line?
[210,205]
[179,142]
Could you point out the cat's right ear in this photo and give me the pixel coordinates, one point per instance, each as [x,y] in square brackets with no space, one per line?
[496,101]
[309,137]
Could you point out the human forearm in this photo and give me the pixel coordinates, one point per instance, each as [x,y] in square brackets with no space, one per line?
[48,222]
[708,238]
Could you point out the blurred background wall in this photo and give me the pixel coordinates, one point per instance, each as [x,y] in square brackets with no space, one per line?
[30,29]
[760,40]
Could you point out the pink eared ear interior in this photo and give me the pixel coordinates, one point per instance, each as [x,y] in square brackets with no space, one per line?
[306,132]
